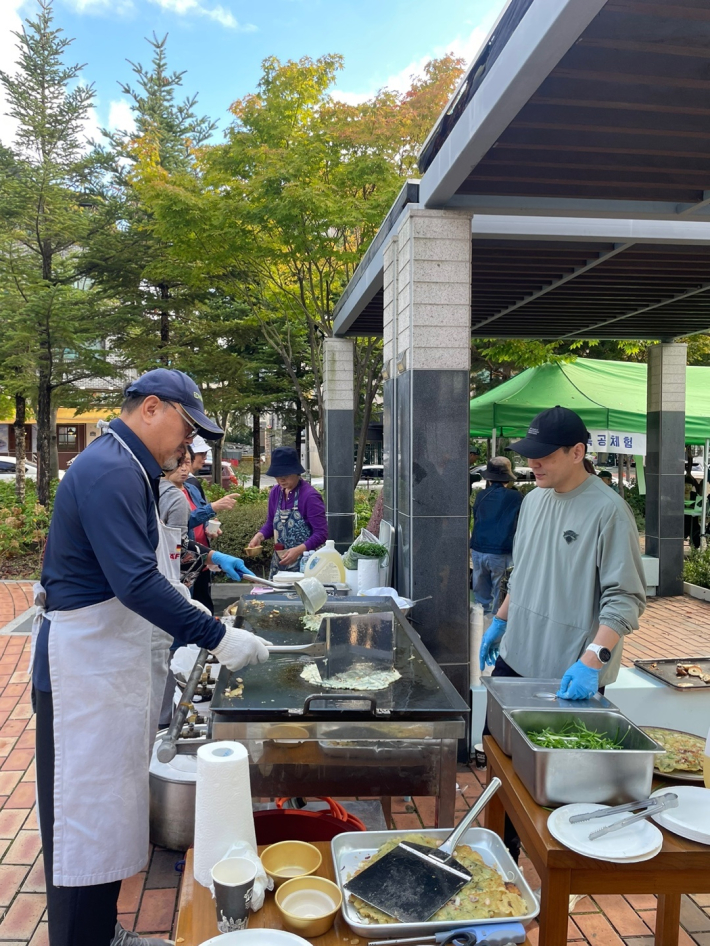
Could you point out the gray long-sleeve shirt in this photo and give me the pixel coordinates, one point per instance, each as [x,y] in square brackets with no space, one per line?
[577,565]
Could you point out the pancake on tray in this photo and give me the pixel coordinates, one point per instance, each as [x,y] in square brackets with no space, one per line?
[484,897]
[684,752]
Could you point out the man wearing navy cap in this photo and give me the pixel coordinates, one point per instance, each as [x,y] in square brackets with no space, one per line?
[578,585]
[111,572]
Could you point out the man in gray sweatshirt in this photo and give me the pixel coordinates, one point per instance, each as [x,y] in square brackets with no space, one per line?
[578,584]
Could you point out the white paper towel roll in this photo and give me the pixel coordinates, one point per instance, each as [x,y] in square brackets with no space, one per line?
[368,574]
[223,810]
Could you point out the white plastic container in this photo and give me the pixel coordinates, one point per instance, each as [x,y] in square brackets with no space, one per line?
[351,579]
[326,564]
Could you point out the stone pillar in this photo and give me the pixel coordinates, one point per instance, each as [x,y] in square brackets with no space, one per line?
[427,344]
[339,396]
[665,455]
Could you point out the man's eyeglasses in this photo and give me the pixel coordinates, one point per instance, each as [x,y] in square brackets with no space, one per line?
[191,428]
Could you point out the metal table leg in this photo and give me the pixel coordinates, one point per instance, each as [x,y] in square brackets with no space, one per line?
[446,796]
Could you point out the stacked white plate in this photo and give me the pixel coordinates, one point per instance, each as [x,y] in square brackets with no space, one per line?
[257,938]
[286,579]
[638,842]
[691,819]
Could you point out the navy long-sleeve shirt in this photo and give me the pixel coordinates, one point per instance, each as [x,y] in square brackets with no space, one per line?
[102,542]
[495,519]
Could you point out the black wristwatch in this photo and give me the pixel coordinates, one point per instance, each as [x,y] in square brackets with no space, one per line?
[603,653]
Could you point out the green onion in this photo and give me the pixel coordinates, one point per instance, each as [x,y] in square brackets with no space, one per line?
[573,735]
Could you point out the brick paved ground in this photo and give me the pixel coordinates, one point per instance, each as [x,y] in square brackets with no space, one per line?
[15,597]
[148,900]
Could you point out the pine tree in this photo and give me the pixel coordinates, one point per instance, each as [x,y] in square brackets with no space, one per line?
[50,189]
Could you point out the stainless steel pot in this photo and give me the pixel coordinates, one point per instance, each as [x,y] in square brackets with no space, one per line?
[172,813]
[172,796]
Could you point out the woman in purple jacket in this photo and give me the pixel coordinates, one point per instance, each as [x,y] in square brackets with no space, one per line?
[296,518]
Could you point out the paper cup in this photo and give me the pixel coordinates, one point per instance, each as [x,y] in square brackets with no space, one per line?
[212,528]
[233,881]
[480,756]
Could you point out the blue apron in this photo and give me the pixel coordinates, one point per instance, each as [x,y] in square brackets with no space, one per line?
[290,530]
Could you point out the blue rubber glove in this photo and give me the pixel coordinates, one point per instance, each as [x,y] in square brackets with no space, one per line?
[489,645]
[579,683]
[230,565]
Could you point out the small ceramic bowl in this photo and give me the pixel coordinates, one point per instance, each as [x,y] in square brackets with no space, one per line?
[286,860]
[308,905]
[287,734]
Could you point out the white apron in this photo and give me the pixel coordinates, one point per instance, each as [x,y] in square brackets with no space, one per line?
[168,557]
[100,670]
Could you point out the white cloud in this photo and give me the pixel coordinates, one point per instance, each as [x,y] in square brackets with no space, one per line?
[185,8]
[466,46]
[120,116]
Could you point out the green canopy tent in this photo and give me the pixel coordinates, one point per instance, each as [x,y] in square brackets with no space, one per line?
[608,395]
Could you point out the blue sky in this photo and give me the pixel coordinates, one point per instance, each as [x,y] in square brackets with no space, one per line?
[221,43]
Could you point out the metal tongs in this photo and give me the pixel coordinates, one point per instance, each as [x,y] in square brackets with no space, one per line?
[650,806]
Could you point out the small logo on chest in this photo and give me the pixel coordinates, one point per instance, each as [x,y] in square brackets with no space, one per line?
[569,536]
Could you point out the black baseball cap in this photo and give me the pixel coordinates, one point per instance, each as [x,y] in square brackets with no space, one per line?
[551,429]
[172,385]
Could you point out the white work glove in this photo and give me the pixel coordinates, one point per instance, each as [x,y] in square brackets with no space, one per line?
[200,606]
[239,648]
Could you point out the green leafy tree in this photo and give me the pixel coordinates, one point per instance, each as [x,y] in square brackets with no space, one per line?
[284,210]
[135,267]
[49,190]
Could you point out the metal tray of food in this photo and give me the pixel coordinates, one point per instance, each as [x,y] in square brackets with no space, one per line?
[685,741]
[529,693]
[351,849]
[667,672]
[566,776]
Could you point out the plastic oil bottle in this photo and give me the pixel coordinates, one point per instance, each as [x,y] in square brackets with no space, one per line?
[326,564]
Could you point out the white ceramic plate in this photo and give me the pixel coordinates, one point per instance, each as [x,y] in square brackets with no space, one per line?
[256,938]
[639,841]
[691,819]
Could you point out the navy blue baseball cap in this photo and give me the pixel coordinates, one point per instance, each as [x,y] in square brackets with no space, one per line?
[551,429]
[171,385]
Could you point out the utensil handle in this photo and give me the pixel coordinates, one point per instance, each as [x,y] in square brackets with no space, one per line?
[167,750]
[340,698]
[262,581]
[293,648]
[449,845]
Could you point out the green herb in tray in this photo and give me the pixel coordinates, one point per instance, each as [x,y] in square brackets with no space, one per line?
[573,735]
[370,549]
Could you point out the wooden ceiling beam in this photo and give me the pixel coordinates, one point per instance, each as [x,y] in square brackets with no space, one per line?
[635,46]
[675,11]
[631,78]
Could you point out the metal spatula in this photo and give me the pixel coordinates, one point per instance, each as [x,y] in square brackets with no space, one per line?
[412,882]
[344,642]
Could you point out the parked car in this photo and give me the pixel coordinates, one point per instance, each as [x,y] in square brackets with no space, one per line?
[229,478]
[697,471]
[8,470]
[372,472]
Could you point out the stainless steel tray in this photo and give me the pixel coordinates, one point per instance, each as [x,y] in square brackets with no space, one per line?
[349,850]
[529,693]
[664,670]
[565,776]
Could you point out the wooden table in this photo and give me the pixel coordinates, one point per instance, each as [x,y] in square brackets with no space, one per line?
[681,866]
[197,918]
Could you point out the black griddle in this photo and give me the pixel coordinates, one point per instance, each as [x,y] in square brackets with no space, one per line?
[275,691]
[664,670]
